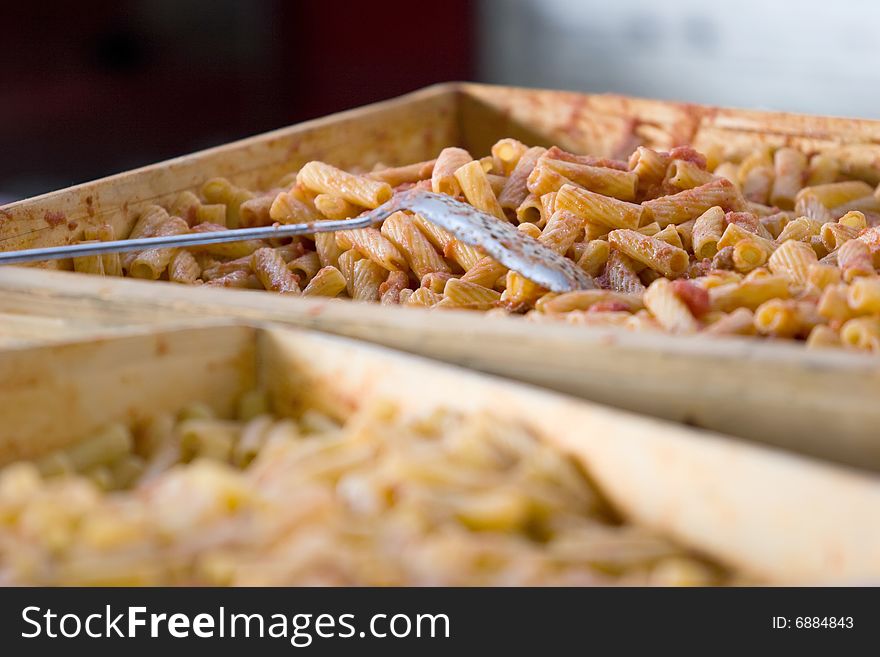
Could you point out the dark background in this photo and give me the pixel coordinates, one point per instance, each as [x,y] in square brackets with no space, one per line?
[94,87]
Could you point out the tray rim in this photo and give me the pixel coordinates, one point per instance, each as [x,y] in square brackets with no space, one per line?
[701,111]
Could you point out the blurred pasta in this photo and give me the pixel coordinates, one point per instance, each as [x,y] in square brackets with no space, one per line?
[375,500]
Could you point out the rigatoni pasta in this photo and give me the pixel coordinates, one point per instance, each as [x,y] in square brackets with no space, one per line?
[327,282]
[600,209]
[669,308]
[776,242]
[450,160]
[477,190]
[421,257]
[273,273]
[516,189]
[790,167]
[370,243]
[602,180]
[506,154]
[111,263]
[668,260]
[708,229]
[151,264]
[690,203]
[219,191]
[359,190]
[372,499]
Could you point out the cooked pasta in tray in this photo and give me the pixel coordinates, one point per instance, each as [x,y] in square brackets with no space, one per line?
[358,465]
[771,243]
[447,499]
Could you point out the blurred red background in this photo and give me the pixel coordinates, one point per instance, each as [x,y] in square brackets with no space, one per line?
[94,87]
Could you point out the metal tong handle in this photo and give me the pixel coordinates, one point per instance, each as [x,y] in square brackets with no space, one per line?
[193,239]
[497,238]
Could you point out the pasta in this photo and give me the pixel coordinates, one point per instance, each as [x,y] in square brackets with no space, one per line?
[620,274]
[335,208]
[602,180]
[587,299]
[366,280]
[775,242]
[800,229]
[793,260]
[669,308]
[755,176]
[391,289]
[485,272]
[532,230]
[823,169]
[671,236]
[191,209]
[327,282]
[648,229]
[225,249]
[823,337]
[377,499]
[784,318]
[464,255]
[532,210]
[305,266]
[466,294]
[650,167]
[708,229]
[450,160]
[561,231]
[359,190]
[854,259]
[684,174]
[690,203]
[411,173]
[111,263]
[257,211]
[597,208]
[790,165]
[516,189]
[861,333]
[669,260]
[506,154]
[89,264]
[273,273]
[290,208]
[594,256]
[184,268]
[749,254]
[152,262]
[370,243]
[401,230]
[477,190]
[219,191]
[346,262]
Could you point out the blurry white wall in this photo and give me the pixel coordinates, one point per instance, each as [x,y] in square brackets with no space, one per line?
[814,56]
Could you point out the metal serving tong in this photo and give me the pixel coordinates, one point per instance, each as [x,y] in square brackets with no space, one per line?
[499,239]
